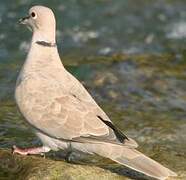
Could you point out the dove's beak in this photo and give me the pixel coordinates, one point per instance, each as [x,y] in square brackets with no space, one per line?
[24,20]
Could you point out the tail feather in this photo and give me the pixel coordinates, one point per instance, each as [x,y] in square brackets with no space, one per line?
[135,160]
[145,165]
[127,156]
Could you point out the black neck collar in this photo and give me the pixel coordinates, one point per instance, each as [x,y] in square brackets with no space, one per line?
[46,44]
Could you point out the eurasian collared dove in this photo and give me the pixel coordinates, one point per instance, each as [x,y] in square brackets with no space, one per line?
[61,111]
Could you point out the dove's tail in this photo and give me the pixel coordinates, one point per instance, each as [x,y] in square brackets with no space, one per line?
[129,157]
[145,165]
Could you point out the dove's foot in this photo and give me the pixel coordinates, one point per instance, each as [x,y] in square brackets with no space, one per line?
[68,157]
[73,157]
[37,150]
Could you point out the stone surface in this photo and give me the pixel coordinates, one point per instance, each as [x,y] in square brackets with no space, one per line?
[36,167]
[33,168]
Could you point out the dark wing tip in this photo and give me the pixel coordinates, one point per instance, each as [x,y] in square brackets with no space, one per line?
[119,134]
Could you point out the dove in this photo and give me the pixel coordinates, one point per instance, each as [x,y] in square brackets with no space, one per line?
[60,110]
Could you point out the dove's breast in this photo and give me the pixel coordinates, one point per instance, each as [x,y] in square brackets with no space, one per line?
[34,92]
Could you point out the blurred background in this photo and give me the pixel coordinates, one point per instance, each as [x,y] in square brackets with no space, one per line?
[100,27]
[130,55]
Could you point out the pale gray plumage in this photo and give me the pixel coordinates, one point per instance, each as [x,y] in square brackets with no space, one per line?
[61,111]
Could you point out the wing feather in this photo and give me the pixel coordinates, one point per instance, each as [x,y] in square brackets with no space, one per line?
[66,112]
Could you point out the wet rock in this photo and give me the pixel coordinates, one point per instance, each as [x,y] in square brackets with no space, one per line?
[36,167]
[33,168]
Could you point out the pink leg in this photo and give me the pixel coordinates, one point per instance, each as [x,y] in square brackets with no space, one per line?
[37,150]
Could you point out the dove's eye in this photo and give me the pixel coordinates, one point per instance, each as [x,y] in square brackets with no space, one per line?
[33,14]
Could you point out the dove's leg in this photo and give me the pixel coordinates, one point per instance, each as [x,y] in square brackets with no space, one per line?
[68,157]
[37,150]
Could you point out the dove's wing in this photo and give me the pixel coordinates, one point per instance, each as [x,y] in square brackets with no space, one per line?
[69,114]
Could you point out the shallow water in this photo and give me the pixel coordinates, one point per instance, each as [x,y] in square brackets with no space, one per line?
[143,94]
[100,26]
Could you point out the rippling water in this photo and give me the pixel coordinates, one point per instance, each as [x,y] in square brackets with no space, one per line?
[100,26]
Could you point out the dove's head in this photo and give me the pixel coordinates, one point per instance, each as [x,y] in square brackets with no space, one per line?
[41,20]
